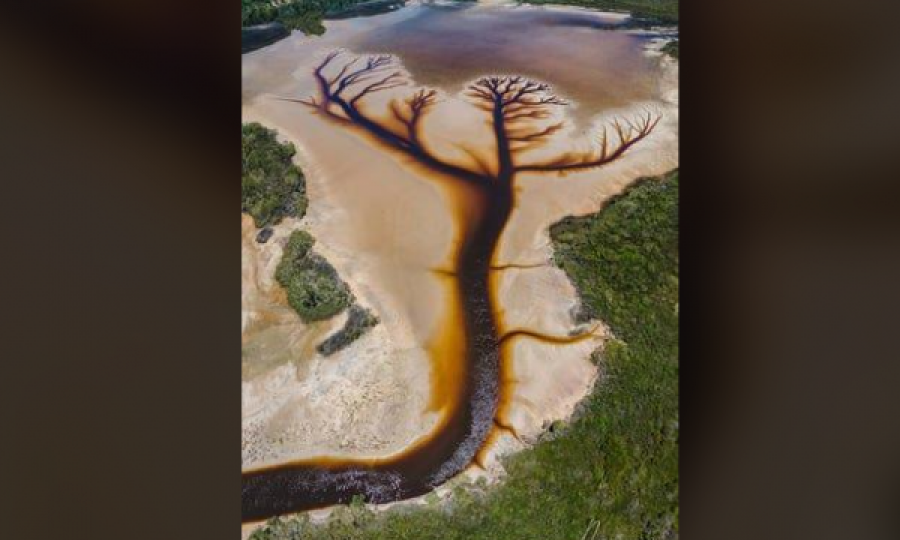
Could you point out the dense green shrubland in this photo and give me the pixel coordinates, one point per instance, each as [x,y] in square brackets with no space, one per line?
[316,292]
[314,289]
[663,11]
[613,471]
[272,187]
[303,15]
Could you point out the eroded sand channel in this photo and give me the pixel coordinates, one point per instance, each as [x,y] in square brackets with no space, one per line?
[386,229]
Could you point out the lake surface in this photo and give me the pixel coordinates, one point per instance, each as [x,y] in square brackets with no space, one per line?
[448,44]
[407,232]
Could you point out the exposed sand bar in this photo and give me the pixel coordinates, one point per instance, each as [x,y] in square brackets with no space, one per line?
[385,227]
[384,231]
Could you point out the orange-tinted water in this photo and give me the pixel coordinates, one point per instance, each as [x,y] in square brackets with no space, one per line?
[447,46]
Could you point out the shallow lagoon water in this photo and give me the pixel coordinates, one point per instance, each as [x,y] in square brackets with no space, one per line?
[443,46]
[447,45]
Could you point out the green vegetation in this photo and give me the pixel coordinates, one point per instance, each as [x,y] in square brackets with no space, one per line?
[671,48]
[663,11]
[307,15]
[316,292]
[359,320]
[272,187]
[303,15]
[612,472]
[255,37]
[314,289]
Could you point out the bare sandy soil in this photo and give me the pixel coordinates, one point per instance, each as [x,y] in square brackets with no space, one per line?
[383,231]
[386,228]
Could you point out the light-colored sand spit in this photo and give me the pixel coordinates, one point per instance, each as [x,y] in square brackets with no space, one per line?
[384,231]
[386,228]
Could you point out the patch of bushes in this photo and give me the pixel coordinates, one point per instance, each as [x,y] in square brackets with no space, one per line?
[303,15]
[636,248]
[359,320]
[659,11]
[612,472]
[314,289]
[256,37]
[272,187]
[366,8]
[671,48]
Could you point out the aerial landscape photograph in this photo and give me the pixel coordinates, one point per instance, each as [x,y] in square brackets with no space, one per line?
[460,269]
[476,301]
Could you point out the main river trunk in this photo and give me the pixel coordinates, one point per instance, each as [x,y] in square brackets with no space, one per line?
[451,449]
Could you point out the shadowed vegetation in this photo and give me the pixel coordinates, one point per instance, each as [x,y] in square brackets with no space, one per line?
[314,289]
[359,321]
[255,37]
[660,11]
[612,472]
[671,48]
[307,15]
[272,187]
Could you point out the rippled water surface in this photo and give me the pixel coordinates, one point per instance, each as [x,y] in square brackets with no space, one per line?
[448,45]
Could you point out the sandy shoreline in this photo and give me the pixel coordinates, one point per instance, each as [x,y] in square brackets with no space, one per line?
[369,399]
[385,229]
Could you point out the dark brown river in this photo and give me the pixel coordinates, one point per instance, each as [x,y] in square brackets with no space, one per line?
[447,46]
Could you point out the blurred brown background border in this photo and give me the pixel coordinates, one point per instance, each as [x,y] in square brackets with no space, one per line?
[119,390]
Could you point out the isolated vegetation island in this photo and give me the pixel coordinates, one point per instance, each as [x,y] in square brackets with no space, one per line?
[313,287]
[612,472]
[272,188]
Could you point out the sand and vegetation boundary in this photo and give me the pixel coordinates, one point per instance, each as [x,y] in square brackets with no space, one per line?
[274,188]
[359,523]
[612,471]
[267,21]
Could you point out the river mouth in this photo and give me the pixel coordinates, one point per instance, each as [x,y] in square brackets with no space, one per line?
[408,242]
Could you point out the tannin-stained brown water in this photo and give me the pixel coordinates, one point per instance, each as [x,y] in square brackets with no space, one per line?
[454,444]
[472,336]
[448,45]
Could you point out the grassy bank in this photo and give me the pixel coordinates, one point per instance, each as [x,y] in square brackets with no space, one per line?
[612,472]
